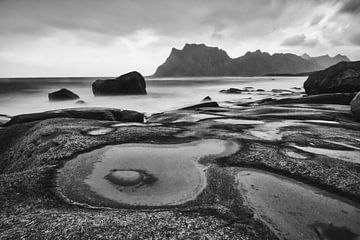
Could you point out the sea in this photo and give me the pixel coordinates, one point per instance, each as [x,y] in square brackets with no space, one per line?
[29,95]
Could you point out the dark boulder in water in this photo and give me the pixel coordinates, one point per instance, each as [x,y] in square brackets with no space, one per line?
[342,77]
[207,98]
[355,107]
[62,95]
[232,90]
[80,102]
[129,83]
[107,114]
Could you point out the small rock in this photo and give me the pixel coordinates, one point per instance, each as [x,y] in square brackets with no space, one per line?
[80,102]
[207,98]
[62,95]
[124,177]
[232,90]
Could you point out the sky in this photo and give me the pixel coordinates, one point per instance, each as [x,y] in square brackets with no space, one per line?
[111,37]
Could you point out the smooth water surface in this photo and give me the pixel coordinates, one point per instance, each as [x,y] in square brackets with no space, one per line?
[171,173]
[26,95]
[297,211]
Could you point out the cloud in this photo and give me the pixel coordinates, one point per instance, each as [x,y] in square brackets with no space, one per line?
[143,31]
[316,20]
[299,40]
[294,40]
[355,39]
[350,6]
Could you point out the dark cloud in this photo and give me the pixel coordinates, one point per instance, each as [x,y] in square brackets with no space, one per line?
[143,31]
[350,6]
[166,17]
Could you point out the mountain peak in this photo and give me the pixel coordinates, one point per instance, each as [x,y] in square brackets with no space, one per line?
[305,56]
[202,60]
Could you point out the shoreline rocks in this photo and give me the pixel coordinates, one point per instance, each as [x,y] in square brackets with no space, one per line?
[127,84]
[108,114]
[329,98]
[62,95]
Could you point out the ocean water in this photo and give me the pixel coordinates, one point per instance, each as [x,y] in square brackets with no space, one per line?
[27,95]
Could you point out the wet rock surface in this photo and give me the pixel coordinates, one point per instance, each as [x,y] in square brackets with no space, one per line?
[106,114]
[279,140]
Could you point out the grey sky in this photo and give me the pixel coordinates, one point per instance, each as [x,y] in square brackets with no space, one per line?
[97,38]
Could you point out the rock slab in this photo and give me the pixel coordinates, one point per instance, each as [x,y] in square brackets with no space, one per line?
[339,78]
[355,107]
[127,84]
[106,114]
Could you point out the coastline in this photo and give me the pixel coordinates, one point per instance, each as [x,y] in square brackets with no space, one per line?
[275,138]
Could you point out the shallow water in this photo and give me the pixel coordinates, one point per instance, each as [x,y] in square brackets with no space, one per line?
[238,121]
[293,154]
[174,170]
[297,211]
[194,117]
[100,131]
[271,131]
[345,155]
[26,95]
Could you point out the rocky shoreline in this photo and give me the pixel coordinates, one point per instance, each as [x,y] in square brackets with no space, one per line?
[279,138]
[283,167]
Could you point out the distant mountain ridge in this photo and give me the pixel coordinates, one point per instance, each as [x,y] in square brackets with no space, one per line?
[201,60]
[326,61]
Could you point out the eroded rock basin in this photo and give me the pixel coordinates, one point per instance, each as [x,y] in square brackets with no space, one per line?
[297,211]
[140,175]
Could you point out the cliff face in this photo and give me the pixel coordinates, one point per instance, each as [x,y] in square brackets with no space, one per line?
[201,60]
[194,60]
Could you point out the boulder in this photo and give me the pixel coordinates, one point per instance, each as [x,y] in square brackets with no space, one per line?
[4,119]
[129,83]
[207,98]
[106,114]
[125,177]
[355,107]
[80,102]
[232,90]
[342,77]
[62,95]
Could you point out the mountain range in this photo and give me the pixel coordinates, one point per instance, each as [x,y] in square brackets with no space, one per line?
[201,60]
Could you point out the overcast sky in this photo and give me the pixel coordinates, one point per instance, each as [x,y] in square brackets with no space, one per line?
[110,37]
